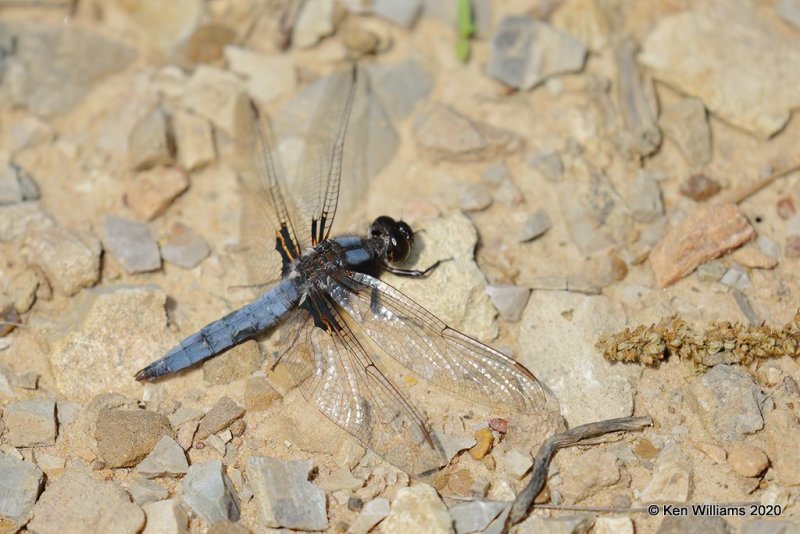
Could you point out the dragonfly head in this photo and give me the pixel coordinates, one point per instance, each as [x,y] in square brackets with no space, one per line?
[397,236]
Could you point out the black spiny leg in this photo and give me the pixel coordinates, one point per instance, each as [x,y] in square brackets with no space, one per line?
[414,273]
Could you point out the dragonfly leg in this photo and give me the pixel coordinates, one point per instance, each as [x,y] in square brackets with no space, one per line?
[414,273]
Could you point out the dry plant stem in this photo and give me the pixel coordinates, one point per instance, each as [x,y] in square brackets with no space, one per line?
[741,193]
[565,439]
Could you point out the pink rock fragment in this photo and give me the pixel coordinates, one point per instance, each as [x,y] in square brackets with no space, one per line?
[708,232]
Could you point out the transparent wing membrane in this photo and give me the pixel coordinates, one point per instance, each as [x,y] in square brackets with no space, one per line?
[425,345]
[335,374]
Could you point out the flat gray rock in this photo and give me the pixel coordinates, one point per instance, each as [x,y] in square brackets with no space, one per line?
[184,248]
[561,353]
[645,198]
[144,491]
[284,496]
[76,499]
[475,516]
[31,423]
[20,484]
[373,513]
[132,244]
[165,517]
[729,402]
[536,226]
[166,459]
[209,492]
[58,65]
[525,52]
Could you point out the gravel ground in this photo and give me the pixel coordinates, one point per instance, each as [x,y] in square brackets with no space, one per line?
[608,178]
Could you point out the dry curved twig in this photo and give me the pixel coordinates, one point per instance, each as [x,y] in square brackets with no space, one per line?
[565,439]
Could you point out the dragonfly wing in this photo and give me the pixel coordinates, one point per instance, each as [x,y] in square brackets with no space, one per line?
[425,345]
[269,232]
[334,373]
[322,160]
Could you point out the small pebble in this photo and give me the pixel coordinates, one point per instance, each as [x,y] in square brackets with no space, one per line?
[474,197]
[747,460]
[785,208]
[208,491]
[499,425]
[768,247]
[700,187]
[166,459]
[712,271]
[536,225]
[165,517]
[484,440]
[736,276]
[208,41]
[219,418]
[184,247]
[510,301]
[131,243]
[194,140]
[152,192]
[516,463]
[149,143]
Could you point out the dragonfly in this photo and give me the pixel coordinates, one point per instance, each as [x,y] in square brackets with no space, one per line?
[329,301]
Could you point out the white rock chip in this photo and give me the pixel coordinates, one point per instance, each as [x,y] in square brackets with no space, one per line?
[132,244]
[20,483]
[418,508]
[373,513]
[145,491]
[165,517]
[209,492]
[284,496]
[166,459]
[194,140]
[475,516]
[672,477]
